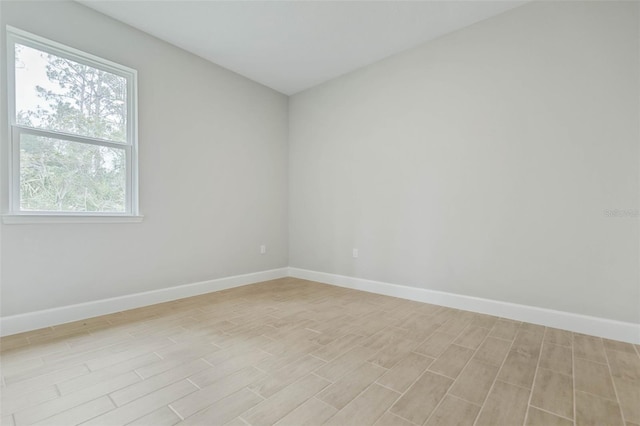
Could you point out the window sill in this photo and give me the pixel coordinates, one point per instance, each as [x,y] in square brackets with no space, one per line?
[25,219]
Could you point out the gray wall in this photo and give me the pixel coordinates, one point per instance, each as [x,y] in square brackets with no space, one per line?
[482,163]
[213,176]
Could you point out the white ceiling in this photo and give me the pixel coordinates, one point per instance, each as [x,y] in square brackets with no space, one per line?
[293,45]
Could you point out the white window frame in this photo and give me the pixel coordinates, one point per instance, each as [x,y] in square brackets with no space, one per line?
[130,146]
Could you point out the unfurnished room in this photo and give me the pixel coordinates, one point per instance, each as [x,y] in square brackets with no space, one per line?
[252,213]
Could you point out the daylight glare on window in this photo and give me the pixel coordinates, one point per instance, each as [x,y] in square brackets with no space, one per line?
[58,94]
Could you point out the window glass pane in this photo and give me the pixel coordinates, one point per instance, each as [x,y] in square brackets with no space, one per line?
[58,94]
[59,175]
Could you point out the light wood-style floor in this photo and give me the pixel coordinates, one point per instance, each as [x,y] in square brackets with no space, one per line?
[294,352]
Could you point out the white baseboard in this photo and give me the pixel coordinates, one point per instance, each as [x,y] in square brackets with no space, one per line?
[610,329]
[50,317]
[616,330]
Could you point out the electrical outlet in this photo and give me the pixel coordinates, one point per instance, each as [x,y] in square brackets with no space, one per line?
[263,249]
[355,253]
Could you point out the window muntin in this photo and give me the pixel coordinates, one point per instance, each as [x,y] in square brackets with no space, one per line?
[72,116]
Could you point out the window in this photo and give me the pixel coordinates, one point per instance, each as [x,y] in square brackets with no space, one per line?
[72,120]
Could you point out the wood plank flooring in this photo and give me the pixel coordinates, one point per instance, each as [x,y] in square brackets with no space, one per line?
[294,352]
